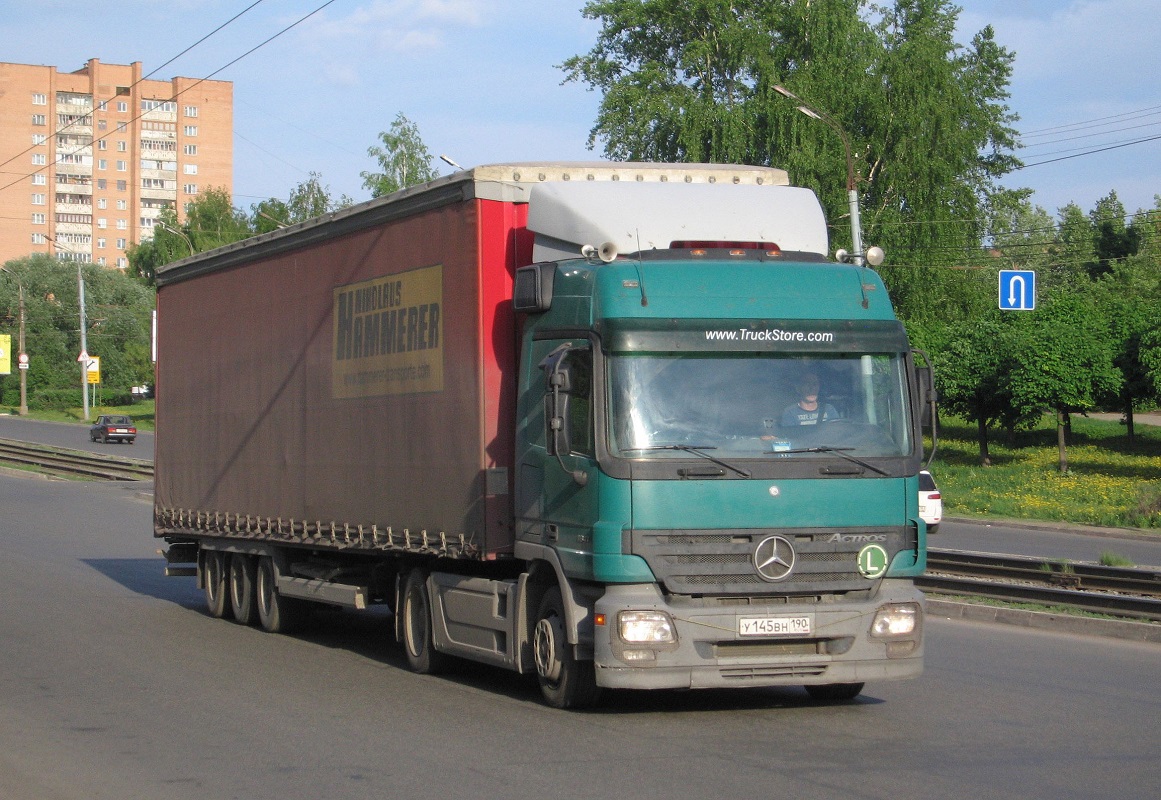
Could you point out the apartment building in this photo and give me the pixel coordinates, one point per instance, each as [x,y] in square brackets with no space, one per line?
[89,159]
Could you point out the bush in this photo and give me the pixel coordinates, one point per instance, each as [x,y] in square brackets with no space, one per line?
[54,399]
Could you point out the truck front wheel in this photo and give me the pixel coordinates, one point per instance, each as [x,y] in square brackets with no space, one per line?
[565,681]
[214,582]
[416,626]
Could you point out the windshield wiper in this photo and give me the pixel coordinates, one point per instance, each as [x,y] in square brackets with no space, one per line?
[838,451]
[697,450]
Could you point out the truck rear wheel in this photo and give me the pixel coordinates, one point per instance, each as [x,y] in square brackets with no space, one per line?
[276,614]
[565,681]
[214,582]
[416,626]
[243,600]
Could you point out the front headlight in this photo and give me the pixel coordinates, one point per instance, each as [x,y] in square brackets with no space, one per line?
[895,620]
[646,627]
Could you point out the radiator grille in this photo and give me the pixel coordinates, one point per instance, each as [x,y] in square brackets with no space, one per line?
[722,562]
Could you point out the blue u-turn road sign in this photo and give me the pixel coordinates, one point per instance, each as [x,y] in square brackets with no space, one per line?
[1017,290]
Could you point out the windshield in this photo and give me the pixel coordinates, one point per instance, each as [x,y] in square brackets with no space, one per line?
[758,405]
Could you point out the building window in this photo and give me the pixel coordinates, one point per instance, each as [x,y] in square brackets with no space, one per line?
[39,160]
[191,130]
[102,163]
[191,149]
[122,225]
[191,111]
[38,138]
[101,223]
[122,147]
[39,119]
[102,202]
[39,179]
[102,144]
[122,186]
[122,205]
[158,105]
[102,183]
[122,166]
[38,199]
[38,238]
[38,219]
[122,127]
[190,188]
[122,263]
[39,99]
[102,105]
[120,244]
[191,169]
[122,106]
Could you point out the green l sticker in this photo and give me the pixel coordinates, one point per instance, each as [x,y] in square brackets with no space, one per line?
[873,561]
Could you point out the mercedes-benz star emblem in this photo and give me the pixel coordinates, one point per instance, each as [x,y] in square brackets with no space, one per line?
[774,558]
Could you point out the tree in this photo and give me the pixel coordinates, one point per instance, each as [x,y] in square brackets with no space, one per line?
[1113,240]
[307,200]
[970,370]
[118,310]
[927,119]
[212,221]
[1063,361]
[403,158]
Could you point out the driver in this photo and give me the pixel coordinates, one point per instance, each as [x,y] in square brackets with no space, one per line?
[808,411]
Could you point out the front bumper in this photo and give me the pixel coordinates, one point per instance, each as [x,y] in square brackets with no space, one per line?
[709,651]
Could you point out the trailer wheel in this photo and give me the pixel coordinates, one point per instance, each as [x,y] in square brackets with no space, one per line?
[214,581]
[243,600]
[276,614]
[416,626]
[835,692]
[565,681]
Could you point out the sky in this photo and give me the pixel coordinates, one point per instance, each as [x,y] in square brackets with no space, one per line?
[316,82]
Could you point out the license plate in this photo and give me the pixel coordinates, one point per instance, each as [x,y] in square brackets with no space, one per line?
[775,626]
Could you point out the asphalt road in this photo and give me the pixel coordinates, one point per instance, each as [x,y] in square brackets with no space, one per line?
[114,683]
[72,435]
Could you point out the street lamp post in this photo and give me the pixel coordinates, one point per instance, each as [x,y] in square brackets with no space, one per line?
[20,346]
[857,255]
[189,244]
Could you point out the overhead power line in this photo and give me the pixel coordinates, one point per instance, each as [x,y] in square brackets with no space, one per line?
[143,78]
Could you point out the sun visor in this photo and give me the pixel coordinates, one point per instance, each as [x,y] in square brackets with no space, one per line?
[567,216]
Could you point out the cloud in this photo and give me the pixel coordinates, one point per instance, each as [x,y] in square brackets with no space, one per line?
[397,25]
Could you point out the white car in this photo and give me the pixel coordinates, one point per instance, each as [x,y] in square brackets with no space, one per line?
[930,502]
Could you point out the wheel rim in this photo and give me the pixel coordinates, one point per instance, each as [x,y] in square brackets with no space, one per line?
[265,590]
[549,633]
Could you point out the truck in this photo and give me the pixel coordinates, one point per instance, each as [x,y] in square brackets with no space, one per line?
[615,425]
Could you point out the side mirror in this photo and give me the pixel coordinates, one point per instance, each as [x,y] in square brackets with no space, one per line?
[928,398]
[558,384]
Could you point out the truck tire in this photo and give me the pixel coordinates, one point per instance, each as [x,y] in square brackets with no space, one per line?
[243,600]
[215,583]
[835,692]
[565,681]
[276,614]
[416,626]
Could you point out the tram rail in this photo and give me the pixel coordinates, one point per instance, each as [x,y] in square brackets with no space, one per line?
[74,463]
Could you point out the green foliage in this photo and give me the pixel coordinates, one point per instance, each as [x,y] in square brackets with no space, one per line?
[308,199]
[404,159]
[118,310]
[926,118]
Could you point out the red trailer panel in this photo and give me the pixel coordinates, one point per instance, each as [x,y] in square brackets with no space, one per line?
[364,378]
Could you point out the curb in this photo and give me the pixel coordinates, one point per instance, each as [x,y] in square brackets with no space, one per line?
[1139,534]
[1044,620]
